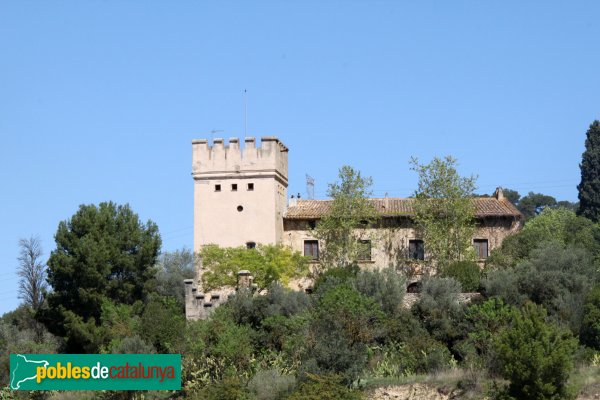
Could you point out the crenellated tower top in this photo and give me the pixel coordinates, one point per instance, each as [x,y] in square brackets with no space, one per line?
[229,160]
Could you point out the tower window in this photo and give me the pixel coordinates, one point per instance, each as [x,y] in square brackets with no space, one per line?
[311,249]
[217,188]
[234,187]
[250,245]
[251,186]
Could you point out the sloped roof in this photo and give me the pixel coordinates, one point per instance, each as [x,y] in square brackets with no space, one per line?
[391,207]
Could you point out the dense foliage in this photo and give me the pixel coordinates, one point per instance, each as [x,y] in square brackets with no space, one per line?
[537,310]
[536,357]
[589,187]
[266,263]
[443,211]
[344,227]
[103,254]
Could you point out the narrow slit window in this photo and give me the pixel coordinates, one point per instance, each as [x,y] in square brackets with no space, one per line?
[250,186]
[217,188]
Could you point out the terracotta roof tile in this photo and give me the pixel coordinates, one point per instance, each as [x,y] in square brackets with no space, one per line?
[484,207]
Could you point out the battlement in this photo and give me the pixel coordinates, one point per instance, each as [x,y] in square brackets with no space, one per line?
[227,159]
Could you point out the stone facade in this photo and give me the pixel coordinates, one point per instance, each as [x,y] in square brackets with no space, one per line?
[240,199]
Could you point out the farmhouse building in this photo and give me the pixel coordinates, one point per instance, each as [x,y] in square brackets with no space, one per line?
[240,199]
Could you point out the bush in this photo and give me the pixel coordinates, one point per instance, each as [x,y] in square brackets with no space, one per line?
[133,345]
[534,356]
[558,225]
[230,388]
[162,323]
[467,273]
[247,308]
[344,322]
[438,308]
[323,388]
[590,330]
[554,276]
[483,321]
[385,286]
[334,277]
[271,384]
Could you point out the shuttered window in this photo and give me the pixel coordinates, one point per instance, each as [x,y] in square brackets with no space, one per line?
[311,249]
[481,248]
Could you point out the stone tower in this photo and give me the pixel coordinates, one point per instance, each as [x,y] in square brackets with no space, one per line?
[239,194]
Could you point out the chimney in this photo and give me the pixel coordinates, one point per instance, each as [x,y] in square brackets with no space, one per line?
[499,194]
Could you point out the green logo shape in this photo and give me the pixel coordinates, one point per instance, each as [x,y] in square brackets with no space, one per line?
[95,371]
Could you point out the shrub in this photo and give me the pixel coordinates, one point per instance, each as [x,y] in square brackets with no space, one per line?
[334,277]
[344,322]
[554,276]
[590,330]
[393,360]
[483,321]
[385,286]
[467,273]
[162,323]
[438,308]
[230,388]
[271,384]
[534,356]
[558,225]
[133,345]
[327,387]
[247,308]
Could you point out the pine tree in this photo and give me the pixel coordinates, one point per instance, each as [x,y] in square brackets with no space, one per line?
[589,188]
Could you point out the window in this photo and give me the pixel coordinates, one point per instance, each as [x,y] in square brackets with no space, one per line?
[364,250]
[312,224]
[240,208]
[234,187]
[416,250]
[217,188]
[311,249]
[250,245]
[481,247]
[250,186]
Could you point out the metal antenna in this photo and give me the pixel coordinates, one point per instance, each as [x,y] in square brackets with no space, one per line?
[212,133]
[245,113]
[310,187]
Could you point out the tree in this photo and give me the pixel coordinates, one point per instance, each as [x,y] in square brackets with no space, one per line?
[534,356]
[534,203]
[32,273]
[343,228]
[103,253]
[443,212]
[512,195]
[173,267]
[589,187]
[266,263]
[590,329]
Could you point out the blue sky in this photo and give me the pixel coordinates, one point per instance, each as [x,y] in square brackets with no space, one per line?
[99,100]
